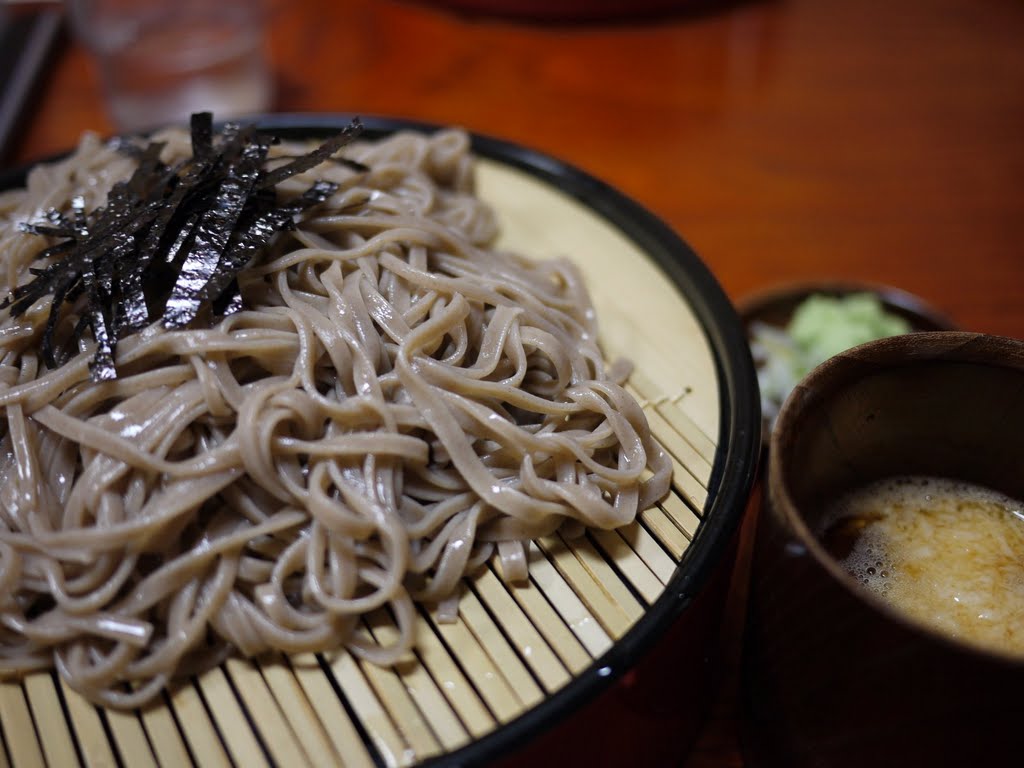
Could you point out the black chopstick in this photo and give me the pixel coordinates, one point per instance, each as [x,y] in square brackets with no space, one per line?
[26,38]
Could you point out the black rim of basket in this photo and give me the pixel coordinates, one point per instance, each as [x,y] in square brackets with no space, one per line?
[737,453]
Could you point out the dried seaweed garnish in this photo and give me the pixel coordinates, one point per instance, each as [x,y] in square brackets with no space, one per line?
[171,239]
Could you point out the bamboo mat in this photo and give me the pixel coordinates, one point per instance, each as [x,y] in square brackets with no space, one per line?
[512,646]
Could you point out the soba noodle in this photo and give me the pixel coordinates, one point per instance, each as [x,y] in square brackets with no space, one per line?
[395,401]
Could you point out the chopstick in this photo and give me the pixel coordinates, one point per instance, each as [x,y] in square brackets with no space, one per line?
[27,33]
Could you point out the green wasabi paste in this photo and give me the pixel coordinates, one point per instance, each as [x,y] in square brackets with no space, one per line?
[820,328]
[824,326]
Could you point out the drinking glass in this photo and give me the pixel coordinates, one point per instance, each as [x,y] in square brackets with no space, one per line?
[162,60]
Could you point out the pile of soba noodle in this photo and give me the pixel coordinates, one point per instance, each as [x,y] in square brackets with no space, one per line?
[396,402]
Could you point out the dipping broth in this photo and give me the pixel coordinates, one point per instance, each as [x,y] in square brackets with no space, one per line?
[947,553]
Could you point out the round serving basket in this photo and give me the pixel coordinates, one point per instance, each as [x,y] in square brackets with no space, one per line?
[614,636]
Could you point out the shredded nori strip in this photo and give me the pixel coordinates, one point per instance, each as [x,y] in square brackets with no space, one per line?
[319,155]
[171,239]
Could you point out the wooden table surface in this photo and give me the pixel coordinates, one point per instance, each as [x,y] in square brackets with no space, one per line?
[784,140]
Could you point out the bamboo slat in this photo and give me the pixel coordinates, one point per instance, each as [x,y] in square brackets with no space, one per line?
[462,697]
[129,738]
[513,644]
[501,652]
[164,737]
[197,727]
[612,617]
[668,408]
[501,698]
[516,625]
[422,688]
[54,729]
[536,604]
[88,726]
[697,466]
[428,698]
[402,710]
[230,720]
[636,573]
[569,604]
[335,719]
[681,514]
[653,553]
[268,719]
[383,734]
[19,730]
[666,531]
[603,573]
[300,715]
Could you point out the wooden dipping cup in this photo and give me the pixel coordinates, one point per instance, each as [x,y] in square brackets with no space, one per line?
[831,675]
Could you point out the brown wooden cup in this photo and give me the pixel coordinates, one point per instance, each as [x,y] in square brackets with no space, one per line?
[831,675]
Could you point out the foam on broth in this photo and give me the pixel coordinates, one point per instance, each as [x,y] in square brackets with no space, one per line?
[948,554]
